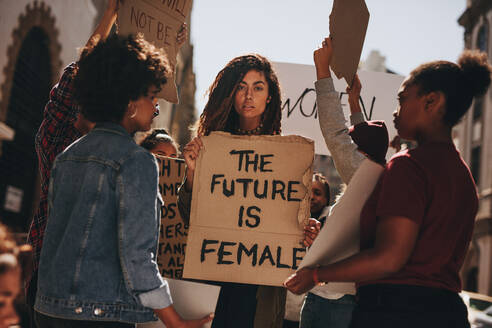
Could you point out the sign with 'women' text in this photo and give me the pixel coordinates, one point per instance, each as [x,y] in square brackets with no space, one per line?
[249,205]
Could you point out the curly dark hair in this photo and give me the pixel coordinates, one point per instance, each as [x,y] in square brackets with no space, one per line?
[114,72]
[156,136]
[219,113]
[326,186]
[458,82]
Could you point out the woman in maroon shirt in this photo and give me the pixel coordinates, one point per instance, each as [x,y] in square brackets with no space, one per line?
[417,224]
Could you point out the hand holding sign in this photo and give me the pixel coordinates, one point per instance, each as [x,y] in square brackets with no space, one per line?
[353,93]
[190,154]
[301,281]
[311,231]
[322,59]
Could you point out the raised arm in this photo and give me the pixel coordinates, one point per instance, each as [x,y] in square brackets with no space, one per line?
[331,119]
[105,24]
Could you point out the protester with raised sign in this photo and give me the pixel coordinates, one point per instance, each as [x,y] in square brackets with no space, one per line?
[62,124]
[98,263]
[332,305]
[160,142]
[244,99]
[417,224]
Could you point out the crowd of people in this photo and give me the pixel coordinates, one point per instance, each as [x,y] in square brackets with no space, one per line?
[92,255]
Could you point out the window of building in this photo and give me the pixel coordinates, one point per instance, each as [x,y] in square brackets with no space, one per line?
[477,108]
[483,36]
[475,163]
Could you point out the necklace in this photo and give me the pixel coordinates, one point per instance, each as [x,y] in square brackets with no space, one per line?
[249,132]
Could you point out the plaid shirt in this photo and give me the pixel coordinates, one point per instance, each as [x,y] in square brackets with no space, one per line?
[57,132]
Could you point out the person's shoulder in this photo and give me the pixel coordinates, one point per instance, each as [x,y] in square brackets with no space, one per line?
[405,159]
[140,154]
[417,154]
[400,156]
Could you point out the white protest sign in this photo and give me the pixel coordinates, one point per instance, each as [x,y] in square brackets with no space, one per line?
[300,115]
[250,203]
[340,235]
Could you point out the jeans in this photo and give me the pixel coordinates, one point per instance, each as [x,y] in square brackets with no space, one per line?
[406,306]
[319,312]
[44,321]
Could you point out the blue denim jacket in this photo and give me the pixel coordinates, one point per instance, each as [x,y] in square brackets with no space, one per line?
[98,260]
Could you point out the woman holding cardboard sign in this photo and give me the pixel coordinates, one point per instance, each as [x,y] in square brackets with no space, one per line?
[417,224]
[245,100]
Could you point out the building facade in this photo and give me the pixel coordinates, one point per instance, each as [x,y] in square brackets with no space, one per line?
[37,40]
[473,137]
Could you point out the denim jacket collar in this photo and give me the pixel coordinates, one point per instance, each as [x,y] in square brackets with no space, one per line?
[112,127]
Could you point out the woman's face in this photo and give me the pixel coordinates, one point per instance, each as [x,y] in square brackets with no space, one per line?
[10,286]
[146,110]
[251,99]
[409,117]
[165,149]
[319,198]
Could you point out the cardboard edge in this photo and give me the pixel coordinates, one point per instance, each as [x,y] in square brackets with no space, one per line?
[276,138]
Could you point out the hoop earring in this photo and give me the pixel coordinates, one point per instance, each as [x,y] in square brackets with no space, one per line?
[135,110]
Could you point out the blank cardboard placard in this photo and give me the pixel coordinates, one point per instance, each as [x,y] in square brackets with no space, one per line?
[348,25]
[173,232]
[339,237]
[159,21]
[191,300]
[250,203]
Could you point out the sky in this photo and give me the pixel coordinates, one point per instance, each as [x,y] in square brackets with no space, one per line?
[406,32]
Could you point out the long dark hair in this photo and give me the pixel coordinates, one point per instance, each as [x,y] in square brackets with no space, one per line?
[219,113]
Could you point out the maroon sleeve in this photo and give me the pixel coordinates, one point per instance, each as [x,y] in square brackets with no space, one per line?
[372,139]
[403,190]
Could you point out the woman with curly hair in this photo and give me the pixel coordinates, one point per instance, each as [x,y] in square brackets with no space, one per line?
[244,99]
[417,224]
[98,262]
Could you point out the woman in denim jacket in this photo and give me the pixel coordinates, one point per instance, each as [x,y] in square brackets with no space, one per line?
[98,262]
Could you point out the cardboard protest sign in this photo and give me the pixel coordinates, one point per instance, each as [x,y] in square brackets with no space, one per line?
[159,21]
[191,300]
[348,25]
[174,232]
[300,115]
[249,205]
[339,237]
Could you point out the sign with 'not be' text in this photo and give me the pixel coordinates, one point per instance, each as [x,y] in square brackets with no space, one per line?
[159,21]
